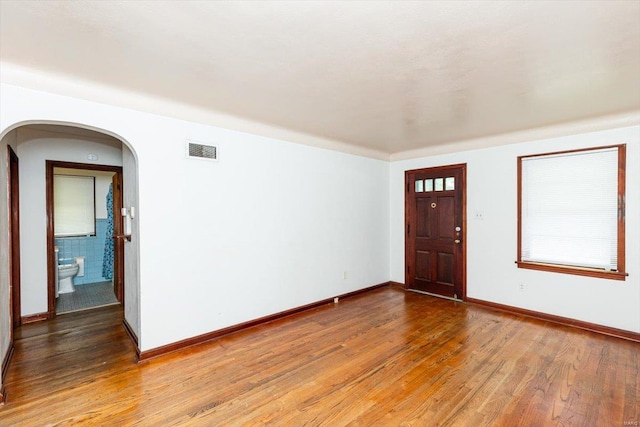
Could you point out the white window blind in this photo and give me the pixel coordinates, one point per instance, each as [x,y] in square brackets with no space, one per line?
[569,209]
[74,205]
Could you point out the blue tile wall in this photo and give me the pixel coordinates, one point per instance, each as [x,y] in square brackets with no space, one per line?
[92,248]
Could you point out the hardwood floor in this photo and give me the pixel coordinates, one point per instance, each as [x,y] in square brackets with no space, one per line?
[382,358]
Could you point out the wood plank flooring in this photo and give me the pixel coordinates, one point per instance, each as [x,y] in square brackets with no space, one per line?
[385,358]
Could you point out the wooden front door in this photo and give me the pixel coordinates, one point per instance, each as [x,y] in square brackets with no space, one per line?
[435,230]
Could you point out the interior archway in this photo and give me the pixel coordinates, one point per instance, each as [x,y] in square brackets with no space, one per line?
[66,142]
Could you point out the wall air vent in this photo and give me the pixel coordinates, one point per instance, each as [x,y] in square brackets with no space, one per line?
[200,151]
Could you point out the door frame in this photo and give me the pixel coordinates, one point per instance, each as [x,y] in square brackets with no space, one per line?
[408,244]
[14,239]
[118,248]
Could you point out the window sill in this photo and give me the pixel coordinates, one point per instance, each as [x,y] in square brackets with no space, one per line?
[579,271]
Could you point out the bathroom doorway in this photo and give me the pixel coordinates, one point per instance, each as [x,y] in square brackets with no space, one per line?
[85,238]
[31,241]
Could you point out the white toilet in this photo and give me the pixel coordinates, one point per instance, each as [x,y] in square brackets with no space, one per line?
[66,273]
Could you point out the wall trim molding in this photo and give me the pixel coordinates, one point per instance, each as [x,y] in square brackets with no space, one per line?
[5,368]
[189,342]
[132,336]
[397,285]
[565,321]
[38,317]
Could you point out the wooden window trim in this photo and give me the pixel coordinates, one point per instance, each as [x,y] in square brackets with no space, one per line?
[578,271]
[621,274]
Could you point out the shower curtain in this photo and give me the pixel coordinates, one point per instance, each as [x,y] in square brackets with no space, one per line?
[107,259]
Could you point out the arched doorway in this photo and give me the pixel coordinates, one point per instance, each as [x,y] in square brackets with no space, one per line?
[69,143]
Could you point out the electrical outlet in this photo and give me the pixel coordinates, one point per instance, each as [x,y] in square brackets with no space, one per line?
[479,215]
[521,284]
[344,275]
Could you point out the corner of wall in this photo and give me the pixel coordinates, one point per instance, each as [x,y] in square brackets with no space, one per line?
[5,316]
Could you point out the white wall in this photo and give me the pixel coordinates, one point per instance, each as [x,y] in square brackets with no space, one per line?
[271,226]
[34,147]
[5,312]
[492,242]
[132,248]
[103,181]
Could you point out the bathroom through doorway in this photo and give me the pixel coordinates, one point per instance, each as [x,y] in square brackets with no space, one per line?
[85,261]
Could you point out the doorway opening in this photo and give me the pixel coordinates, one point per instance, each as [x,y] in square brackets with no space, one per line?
[32,262]
[435,231]
[86,262]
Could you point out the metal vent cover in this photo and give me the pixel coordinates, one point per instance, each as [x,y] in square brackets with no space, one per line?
[202,151]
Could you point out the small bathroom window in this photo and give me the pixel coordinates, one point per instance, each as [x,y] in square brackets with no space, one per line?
[74,205]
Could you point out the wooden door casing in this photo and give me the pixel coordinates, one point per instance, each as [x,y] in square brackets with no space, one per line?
[117,221]
[118,230]
[435,228]
[14,238]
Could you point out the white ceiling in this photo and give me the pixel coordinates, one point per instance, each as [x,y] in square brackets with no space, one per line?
[388,76]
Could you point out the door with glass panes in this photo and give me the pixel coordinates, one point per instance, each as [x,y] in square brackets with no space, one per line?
[435,230]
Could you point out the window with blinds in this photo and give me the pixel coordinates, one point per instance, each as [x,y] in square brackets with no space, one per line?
[571,211]
[74,205]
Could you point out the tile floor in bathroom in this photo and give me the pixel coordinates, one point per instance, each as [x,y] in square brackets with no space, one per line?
[86,296]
